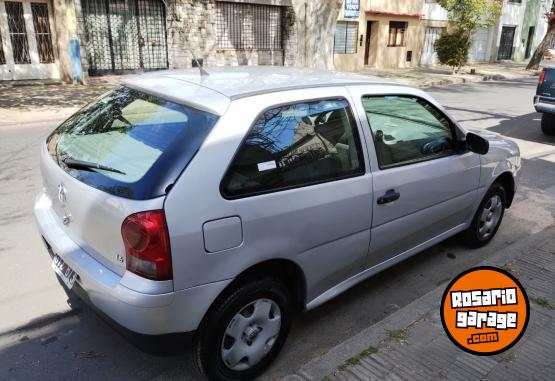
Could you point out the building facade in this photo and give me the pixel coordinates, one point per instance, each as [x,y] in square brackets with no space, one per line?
[520,29]
[389,34]
[27,36]
[74,39]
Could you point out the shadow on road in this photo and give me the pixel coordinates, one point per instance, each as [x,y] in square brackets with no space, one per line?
[30,97]
[524,127]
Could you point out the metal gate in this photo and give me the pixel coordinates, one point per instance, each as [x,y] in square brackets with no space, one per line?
[506,44]
[479,50]
[125,35]
[429,55]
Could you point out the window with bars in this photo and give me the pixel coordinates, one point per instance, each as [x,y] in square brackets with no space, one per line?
[18,33]
[345,40]
[2,57]
[248,26]
[42,32]
[397,30]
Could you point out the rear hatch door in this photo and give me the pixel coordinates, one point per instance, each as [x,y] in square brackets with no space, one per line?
[118,156]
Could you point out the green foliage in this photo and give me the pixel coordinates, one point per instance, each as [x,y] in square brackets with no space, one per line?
[452,49]
[468,16]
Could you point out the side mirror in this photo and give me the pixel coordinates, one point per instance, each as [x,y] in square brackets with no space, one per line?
[477,144]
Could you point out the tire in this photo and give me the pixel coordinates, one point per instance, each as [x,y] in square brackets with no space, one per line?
[548,124]
[484,226]
[225,336]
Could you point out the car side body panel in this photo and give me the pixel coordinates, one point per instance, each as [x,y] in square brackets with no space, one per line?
[323,228]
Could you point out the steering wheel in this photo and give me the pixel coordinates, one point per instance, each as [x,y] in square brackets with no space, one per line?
[320,118]
[436,146]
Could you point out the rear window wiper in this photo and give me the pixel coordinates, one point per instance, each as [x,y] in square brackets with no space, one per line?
[74,163]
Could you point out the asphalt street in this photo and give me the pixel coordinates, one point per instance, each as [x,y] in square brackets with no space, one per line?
[41,336]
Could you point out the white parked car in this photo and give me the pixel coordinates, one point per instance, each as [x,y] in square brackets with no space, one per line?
[218,204]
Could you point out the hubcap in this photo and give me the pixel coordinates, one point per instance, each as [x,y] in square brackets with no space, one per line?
[251,334]
[490,217]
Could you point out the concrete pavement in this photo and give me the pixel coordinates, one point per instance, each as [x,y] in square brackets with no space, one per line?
[425,77]
[42,336]
[411,343]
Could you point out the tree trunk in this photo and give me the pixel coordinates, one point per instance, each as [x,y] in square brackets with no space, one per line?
[546,42]
[540,50]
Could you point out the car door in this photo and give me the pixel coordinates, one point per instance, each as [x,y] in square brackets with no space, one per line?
[283,176]
[424,186]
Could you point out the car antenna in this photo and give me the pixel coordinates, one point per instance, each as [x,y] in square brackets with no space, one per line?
[203,73]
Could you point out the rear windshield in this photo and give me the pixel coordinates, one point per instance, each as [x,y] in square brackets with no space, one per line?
[129,143]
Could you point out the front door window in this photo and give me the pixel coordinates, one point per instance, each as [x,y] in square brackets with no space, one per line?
[407,129]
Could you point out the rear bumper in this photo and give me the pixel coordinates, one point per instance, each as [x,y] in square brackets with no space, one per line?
[544,104]
[148,314]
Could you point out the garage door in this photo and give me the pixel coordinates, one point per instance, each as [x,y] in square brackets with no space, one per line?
[125,35]
[429,55]
[479,49]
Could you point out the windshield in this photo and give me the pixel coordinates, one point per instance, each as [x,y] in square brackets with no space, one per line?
[129,143]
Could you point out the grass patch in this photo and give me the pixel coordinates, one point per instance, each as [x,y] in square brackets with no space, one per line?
[508,357]
[355,360]
[510,268]
[541,301]
[398,335]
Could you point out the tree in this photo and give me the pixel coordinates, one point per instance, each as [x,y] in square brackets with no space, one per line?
[452,49]
[466,18]
[548,39]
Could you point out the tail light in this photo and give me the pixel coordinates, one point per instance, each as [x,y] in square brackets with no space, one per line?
[147,245]
[542,77]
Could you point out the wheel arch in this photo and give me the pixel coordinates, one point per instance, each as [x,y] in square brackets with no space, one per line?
[507,180]
[289,272]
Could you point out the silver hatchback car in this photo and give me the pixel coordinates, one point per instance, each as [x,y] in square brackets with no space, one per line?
[217,204]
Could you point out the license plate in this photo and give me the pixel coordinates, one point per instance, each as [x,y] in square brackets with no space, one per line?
[65,272]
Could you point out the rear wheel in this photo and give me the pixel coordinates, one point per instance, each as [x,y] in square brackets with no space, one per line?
[488,218]
[244,332]
[548,124]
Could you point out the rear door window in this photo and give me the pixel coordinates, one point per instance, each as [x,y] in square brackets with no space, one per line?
[140,143]
[296,145]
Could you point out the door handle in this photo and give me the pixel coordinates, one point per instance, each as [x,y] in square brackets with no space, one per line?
[389,196]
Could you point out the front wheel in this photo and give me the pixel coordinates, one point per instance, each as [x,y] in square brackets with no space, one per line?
[488,218]
[244,332]
[548,124]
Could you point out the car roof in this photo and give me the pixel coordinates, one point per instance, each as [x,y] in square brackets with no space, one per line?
[215,91]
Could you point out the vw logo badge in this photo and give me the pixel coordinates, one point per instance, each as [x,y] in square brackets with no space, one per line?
[62,193]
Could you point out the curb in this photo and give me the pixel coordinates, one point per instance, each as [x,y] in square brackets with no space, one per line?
[323,366]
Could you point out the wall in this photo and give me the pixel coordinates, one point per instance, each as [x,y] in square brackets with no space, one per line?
[191,28]
[395,57]
[315,29]
[381,12]
[530,18]
[432,11]
[407,6]
[355,61]
[512,15]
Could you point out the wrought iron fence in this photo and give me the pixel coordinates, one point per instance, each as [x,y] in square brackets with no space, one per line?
[125,35]
[18,33]
[42,32]
[249,26]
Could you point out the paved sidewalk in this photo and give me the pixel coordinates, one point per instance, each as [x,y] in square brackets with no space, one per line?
[411,344]
[48,102]
[31,103]
[442,75]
